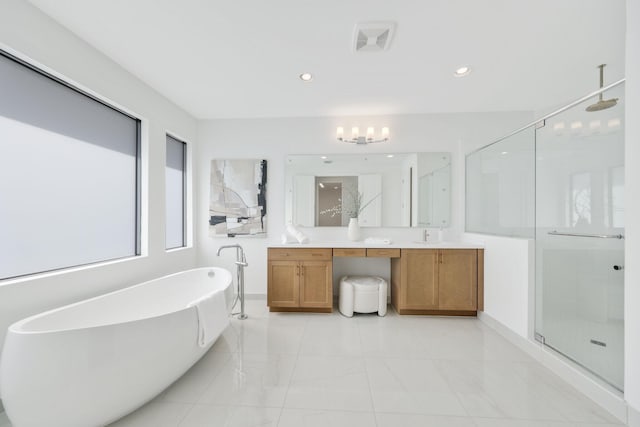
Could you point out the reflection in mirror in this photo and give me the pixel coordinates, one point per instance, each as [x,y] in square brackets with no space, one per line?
[381,190]
[433,191]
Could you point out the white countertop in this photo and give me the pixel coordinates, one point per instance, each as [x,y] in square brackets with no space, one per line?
[362,244]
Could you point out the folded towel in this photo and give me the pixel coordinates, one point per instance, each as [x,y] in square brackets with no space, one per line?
[377,241]
[212,317]
[297,234]
[286,238]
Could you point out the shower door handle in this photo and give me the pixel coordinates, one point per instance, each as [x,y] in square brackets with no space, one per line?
[597,236]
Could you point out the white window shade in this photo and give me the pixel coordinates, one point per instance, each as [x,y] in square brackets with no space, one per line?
[68,193]
[175,184]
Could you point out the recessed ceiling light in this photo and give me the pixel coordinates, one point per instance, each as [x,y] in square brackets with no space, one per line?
[465,70]
[504,152]
[323,157]
[306,77]
[389,156]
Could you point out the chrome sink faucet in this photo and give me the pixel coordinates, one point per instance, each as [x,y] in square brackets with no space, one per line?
[425,235]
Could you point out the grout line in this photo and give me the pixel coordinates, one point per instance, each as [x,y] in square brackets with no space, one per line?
[295,365]
[366,371]
[186,413]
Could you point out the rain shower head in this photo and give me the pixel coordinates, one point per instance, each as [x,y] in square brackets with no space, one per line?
[602,104]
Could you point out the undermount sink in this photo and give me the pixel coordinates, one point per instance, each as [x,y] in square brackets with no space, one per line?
[427,243]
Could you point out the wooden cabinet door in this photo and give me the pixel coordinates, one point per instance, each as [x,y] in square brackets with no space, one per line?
[316,284]
[283,284]
[419,288]
[458,279]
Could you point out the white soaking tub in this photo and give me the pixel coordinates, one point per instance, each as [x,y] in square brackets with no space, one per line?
[89,363]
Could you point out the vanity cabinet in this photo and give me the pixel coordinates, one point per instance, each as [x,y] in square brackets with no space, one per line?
[435,281]
[300,279]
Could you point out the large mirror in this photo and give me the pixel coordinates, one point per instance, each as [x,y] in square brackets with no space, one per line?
[382,190]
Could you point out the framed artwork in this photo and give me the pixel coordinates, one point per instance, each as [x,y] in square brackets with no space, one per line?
[238,198]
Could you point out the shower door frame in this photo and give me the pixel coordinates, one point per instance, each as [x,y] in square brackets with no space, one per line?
[539,123]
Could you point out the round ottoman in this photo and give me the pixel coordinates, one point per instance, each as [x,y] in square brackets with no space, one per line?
[363,294]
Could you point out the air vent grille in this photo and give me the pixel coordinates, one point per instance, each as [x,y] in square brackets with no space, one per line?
[373,36]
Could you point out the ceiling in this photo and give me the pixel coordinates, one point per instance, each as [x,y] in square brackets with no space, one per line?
[242,58]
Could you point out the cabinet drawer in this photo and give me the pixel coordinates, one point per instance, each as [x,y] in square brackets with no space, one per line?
[383,253]
[320,254]
[350,252]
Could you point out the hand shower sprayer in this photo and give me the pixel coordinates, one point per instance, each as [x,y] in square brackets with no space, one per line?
[241,263]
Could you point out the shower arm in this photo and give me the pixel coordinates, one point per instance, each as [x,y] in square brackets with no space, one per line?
[601,66]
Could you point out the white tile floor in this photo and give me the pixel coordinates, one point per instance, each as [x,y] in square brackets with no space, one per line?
[307,370]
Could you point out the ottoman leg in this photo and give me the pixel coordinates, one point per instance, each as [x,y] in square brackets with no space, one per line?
[382,295]
[345,304]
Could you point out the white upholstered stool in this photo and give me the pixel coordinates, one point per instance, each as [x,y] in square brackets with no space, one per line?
[363,294]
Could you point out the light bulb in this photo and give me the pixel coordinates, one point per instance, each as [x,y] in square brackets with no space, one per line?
[369,133]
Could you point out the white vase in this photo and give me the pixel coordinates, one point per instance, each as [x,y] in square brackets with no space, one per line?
[353,231]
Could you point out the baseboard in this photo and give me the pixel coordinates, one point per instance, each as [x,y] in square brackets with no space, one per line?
[633,417]
[607,397]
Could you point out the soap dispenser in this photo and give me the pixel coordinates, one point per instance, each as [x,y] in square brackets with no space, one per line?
[440,234]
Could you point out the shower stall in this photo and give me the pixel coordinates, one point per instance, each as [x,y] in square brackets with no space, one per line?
[560,181]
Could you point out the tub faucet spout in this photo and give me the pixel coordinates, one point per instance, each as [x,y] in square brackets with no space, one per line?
[236,246]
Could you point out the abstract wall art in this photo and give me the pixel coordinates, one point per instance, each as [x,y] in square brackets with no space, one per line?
[238,198]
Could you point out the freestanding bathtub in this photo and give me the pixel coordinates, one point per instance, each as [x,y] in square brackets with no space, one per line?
[89,363]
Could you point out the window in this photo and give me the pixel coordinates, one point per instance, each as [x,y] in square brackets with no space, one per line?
[175,191]
[70,175]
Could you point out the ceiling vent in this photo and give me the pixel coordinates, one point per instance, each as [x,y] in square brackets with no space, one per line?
[373,36]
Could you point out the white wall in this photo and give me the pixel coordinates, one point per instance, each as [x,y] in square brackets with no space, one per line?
[508,281]
[27,32]
[274,139]
[632,214]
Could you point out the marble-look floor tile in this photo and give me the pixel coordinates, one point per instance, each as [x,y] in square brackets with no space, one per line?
[416,420]
[387,341]
[496,422]
[494,389]
[395,374]
[564,398]
[230,416]
[326,339]
[273,336]
[308,369]
[424,402]
[228,342]
[155,414]
[331,382]
[411,386]
[190,387]
[252,379]
[325,418]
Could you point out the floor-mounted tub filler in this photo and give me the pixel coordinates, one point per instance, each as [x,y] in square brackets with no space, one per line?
[89,363]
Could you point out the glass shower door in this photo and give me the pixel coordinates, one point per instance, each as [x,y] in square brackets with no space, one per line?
[579,236]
